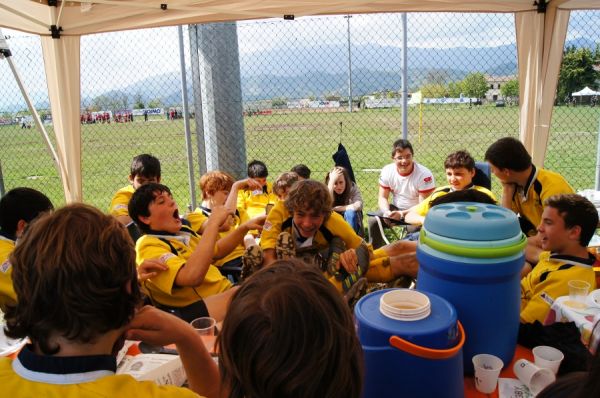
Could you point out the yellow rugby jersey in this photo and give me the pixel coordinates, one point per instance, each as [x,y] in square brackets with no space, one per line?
[7,292]
[119,203]
[549,280]
[335,224]
[201,214]
[255,202]
[26,377]
[423,207]
[529,201]
[162,288]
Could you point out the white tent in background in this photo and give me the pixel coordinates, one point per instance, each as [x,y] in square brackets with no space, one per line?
[541,28]
[585,91]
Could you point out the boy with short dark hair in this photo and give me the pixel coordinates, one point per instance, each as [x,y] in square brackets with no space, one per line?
[302,170]
[460,170]
[190,279]
[18,208]
[255,200]
[75,278]
[144,169]
[568,223]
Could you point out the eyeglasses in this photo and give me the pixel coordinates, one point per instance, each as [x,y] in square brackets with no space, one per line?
[401,158]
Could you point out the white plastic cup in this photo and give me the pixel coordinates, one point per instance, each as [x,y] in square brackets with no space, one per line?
[405,305]
[578,290]
[206,327]
[534,377]
[548,357]
[487,369]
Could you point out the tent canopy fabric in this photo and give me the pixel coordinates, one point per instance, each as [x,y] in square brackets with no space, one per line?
[586,91]
[540,29]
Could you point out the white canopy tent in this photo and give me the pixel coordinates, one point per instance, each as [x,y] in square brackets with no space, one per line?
[540,30]
[586,91]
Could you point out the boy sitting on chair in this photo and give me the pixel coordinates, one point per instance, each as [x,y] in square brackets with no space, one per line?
[568,223]
[460,170]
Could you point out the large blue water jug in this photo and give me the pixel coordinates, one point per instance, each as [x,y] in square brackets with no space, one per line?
[419,358]
[472,255]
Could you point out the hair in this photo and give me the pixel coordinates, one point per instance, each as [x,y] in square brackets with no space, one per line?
[21,204]
[74,275]
[309,195]
[215,181]
[146,166]
[343,198]
[460,159]
[139,204]
[288,333]
[284,181]
[576,210]
[400,145]
[257,169]
[302,170]
[508,153]
[466,195]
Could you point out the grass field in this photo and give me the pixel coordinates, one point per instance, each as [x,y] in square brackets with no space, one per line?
[282,140]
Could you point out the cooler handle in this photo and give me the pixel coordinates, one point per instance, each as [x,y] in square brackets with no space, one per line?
[428,353]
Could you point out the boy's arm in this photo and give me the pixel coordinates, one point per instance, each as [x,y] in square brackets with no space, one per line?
[157,327]
[226,244]
[234,199]
[508,191]
[194,271]
[382,199]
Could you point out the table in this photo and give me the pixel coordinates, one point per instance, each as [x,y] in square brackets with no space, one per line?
[583,315]
[507,372]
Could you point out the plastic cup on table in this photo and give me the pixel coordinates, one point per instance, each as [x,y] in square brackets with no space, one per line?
[206,328]
[534,377]
[548,357]
[487,369]
[578,290]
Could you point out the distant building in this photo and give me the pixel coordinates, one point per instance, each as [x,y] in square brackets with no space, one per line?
[494,85]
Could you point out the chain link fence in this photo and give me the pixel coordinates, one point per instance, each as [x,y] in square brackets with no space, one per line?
[304,87]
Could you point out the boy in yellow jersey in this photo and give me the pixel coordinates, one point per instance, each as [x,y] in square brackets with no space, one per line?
[525,188]
[568,223]
[144,169]
[74,273]
[18,207]
[460,170]
[255,199]
[218,188]
[190,279]
[305,224]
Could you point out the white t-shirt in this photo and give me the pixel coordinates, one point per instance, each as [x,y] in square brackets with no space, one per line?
[406,189]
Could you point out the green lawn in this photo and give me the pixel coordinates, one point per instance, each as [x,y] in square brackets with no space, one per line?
[282,140]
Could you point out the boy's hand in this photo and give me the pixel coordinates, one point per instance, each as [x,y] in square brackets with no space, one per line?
[349,260]
[159,328]
[508,189]
[256,222]
[219,214]
[150,268]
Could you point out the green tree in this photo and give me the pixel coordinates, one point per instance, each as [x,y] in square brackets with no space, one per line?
[155,103]
[279,102]
[433,90]
[576,71]
[510,89]
[455,89]
[138,103]
[475,85]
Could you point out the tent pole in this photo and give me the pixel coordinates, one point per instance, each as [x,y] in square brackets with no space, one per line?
[186,120]
[5,53]
[597,186]
[404,80]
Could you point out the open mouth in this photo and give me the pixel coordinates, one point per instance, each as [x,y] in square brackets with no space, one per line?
[176,214]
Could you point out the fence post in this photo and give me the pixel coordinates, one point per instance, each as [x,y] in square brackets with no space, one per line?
[597,186]
[2,191]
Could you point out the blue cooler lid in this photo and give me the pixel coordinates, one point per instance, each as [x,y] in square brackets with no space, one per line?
[472,221]
[437,331]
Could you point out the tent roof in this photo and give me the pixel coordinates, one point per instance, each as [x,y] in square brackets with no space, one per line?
[80,18]
[585,91]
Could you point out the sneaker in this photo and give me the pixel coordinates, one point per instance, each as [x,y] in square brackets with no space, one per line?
[252,261]
[356,291]
[285,247]
[336,247]
[362,252]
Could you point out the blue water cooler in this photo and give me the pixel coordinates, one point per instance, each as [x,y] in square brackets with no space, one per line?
[419,358]
[471,254]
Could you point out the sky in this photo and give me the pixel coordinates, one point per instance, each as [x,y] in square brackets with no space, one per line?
[112,60]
